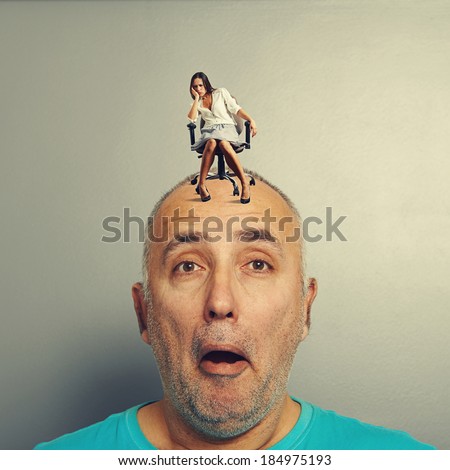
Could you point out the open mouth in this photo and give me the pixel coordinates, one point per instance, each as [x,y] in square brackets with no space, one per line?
[223,356]
[220,362]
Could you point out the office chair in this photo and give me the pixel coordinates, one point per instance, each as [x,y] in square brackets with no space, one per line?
[222,174]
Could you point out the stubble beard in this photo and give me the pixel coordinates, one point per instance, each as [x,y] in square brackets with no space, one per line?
[193,399]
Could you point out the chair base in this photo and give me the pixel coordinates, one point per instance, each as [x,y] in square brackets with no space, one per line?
[222,174]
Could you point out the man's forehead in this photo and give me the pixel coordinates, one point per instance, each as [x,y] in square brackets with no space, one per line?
[183,213]
[184,201]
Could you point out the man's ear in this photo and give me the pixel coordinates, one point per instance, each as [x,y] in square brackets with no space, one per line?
[307,304]
[140,307]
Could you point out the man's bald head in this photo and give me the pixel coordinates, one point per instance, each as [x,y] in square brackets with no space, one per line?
[264,192]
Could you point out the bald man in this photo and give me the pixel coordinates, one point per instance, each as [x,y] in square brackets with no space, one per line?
[224,304]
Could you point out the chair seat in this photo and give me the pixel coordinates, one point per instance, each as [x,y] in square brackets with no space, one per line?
[222,174]
[238,149]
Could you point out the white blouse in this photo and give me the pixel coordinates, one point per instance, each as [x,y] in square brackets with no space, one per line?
[222,109]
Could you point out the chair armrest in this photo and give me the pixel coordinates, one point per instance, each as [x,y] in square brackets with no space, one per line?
[247,134]
[191,127]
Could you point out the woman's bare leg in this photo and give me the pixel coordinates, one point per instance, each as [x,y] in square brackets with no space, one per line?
[233,162]
[207,161]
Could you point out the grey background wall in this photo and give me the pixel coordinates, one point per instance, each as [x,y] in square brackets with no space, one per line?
[352,100]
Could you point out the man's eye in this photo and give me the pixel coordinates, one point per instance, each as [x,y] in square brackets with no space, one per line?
[259,265]
[186,267]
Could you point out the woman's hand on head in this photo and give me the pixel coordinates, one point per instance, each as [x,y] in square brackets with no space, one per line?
[196,95]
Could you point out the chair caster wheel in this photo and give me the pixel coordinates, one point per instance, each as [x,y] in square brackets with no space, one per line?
[235,192]
[197,190]
[194,181]
[252,182]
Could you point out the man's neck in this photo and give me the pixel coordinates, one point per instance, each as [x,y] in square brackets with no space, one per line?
[165,429]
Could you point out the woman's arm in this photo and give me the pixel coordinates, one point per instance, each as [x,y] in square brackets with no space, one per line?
[193,112]
[234,108]
[241,113]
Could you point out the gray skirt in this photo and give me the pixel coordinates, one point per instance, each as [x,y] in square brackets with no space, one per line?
[219,132]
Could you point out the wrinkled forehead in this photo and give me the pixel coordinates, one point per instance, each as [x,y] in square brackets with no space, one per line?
[223,218]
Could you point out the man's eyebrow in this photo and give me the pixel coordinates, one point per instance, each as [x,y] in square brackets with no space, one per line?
[180,239]
[261,234]
[248,236]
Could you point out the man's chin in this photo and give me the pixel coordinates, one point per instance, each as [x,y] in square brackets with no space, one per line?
[222,406]
[225,411]
[227,392]
[221,421]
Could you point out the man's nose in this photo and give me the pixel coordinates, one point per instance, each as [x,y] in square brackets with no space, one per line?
[221,297]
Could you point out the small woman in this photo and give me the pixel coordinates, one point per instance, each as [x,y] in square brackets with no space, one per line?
[216,107]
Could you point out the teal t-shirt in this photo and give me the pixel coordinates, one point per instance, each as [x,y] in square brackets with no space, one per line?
[316,429]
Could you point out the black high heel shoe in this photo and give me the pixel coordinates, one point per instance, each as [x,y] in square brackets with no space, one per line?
[204,198]
[245,201]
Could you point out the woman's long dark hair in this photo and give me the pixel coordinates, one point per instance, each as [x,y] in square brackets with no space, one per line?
[206,82]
